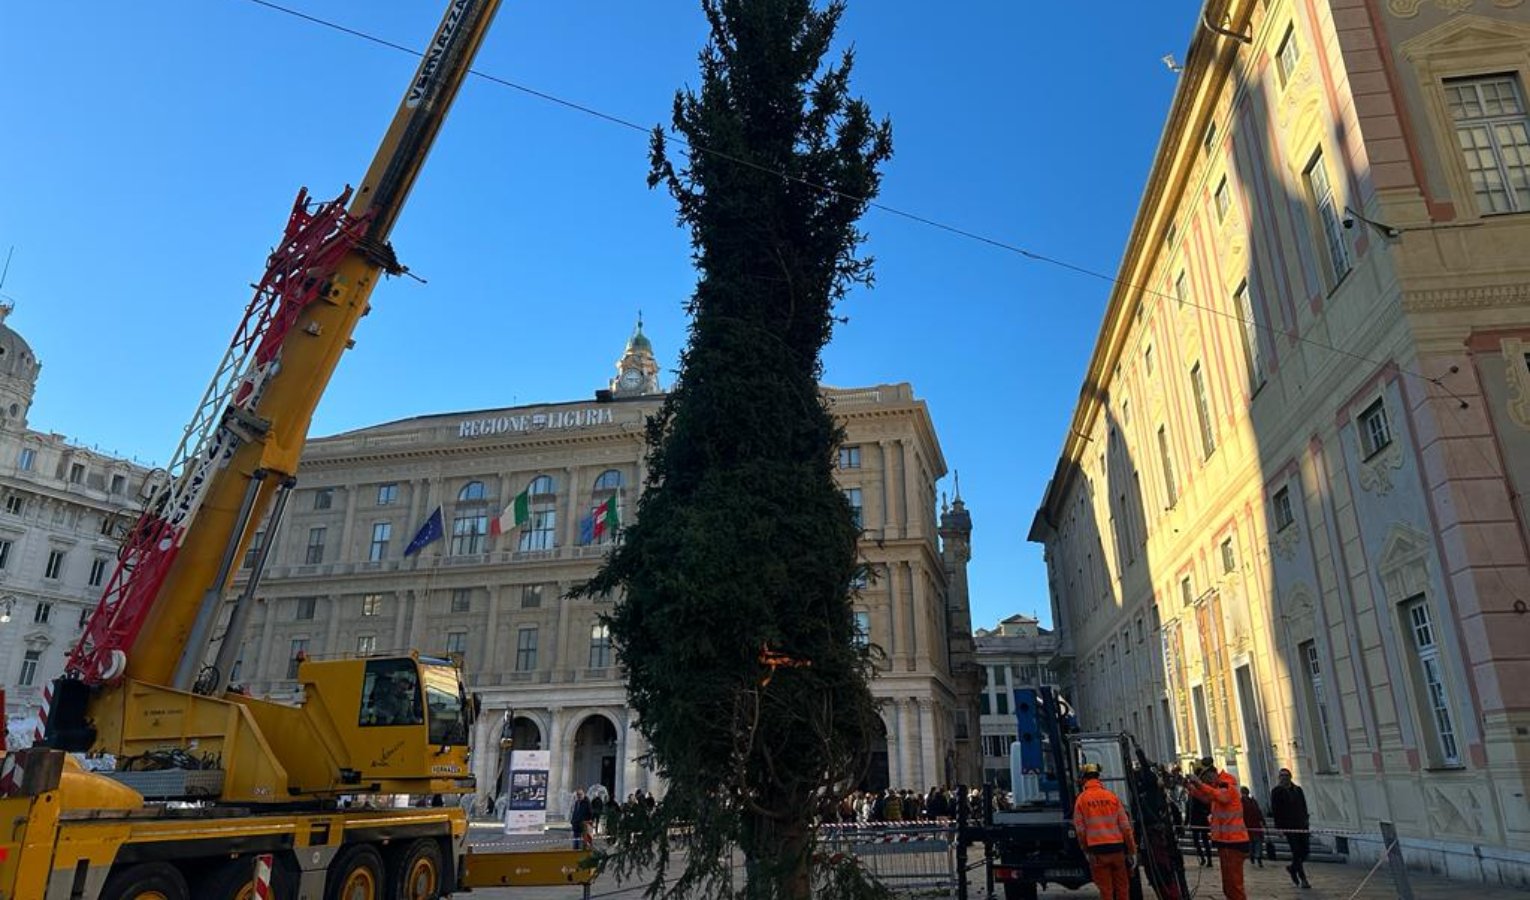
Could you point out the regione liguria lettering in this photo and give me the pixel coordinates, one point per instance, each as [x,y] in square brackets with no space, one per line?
[563,418]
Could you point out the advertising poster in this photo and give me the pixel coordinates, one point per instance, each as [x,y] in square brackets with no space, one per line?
[526,812]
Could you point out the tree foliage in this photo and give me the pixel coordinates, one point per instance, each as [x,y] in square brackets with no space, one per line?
[733,620]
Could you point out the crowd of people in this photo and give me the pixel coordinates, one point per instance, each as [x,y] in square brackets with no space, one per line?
[896,805]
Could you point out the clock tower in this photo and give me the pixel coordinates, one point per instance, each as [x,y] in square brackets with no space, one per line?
[637,372]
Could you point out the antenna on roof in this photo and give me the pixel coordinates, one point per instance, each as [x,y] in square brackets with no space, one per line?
[7,269]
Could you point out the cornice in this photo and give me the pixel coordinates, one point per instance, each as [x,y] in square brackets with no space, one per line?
[1457,298]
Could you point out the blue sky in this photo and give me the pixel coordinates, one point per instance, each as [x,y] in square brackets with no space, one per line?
[150,152]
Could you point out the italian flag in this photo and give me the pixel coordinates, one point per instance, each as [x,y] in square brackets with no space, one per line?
[518,513]
[606,517]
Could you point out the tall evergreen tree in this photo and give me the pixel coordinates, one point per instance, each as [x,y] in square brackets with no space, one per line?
[734,622]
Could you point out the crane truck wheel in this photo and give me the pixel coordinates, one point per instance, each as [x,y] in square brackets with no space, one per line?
[356,874]
[146,881]
[417,874]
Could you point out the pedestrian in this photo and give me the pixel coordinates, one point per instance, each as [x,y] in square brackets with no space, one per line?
[1288,807]
[893,810]
[579,817]
[1253,819]
[1198,820]
[1228,833]
[1105,835]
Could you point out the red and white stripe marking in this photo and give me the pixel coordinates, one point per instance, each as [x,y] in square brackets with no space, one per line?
[263,876]
[42,713]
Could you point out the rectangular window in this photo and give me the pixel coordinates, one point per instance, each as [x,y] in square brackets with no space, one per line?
[371,604]
[1209,140]
[1186,592]
[306,607]
[541,532]
[531,596]
[1181,291]
[76,473]
[1284,515]
[5,553]
[1203,412]
[256,543]
[462,600]
[985,705]
[1375,432]
[456,643]
[600,646]
[1141,632]
[119,484]
[315,554]
[470,534]
[55,564]
[526,649]
[387,494]
[366,645]
[1001,703]
[862,628]
[1223,198]
[1126,642]
[42,612]
[854,496]
[1317,705]
[323,498]
[1171,489]
[1329,218]
[28,458]
[850,457]
[1288,55]
[15,504]
[1229,561]
[298,653]
[1147,360]
[1494,134]
[382,533]
[29,668]
[97,571]
[1250,328]
[1170,234]
[1429,672]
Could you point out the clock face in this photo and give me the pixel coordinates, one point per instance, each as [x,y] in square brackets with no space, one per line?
[631,378]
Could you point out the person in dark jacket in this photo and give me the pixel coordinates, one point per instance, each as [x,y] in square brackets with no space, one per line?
[1253,819]
[1198,820]
[581,818]
[1288,807]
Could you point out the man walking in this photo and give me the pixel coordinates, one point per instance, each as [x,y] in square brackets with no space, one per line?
[580,817]
[1253,820]
[1105,834]
[1288,807]
[1228,834]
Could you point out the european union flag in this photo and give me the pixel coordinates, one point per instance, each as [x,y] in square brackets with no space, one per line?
[587,530]
[433,530]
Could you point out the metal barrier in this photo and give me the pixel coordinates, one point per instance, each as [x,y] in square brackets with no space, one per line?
[903,858]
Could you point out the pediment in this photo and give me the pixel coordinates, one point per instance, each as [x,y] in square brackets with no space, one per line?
[1467,33]
[1403,545]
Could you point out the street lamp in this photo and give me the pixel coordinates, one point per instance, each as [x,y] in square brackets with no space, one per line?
[7,605]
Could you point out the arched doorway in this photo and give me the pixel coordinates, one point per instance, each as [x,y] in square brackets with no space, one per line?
[526,734]
[877,777]
[595,754]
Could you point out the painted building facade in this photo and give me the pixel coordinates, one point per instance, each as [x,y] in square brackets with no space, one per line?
[337,581]
[63,509]
[1288,524]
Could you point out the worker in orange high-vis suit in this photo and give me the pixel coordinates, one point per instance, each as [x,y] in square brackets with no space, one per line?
[1228,833]
[1105,833]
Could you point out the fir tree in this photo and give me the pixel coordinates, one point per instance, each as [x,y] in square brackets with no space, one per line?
[733,621]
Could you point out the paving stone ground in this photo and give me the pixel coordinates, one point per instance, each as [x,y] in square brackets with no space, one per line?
[1330,881]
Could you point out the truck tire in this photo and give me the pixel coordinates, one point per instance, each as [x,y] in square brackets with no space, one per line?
[1019,890]
[419,873]
[356,874]
[146,881]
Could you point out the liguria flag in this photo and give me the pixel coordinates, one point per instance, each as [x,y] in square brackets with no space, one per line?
[433,530]
[518,513]
[602,521]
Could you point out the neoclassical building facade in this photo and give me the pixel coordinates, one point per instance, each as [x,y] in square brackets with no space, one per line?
[1288,527]
[62,509]
[338,580]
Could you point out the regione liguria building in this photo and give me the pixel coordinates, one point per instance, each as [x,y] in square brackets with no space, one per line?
[337,580]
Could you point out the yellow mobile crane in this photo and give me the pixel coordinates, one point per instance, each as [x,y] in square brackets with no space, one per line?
[212,785]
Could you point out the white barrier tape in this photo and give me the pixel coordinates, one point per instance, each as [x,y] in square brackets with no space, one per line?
[1267,829]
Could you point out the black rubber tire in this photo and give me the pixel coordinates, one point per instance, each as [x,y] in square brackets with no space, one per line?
[407,878]
[234,879]
[150,879]
[353,865]
[1019,890]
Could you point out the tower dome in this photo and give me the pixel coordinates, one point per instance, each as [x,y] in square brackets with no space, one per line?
[18,374]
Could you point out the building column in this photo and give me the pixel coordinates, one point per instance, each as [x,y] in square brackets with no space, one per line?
[920,647]
[491,632]
[568,529]
[269,670]
[403,600]
[332,628]
[560,638]
[348,530]
[910,505]
[894,611]
[884,457]
[929,764]
[905,745]
[561,764]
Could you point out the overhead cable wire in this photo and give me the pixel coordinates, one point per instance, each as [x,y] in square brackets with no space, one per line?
[978,237]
